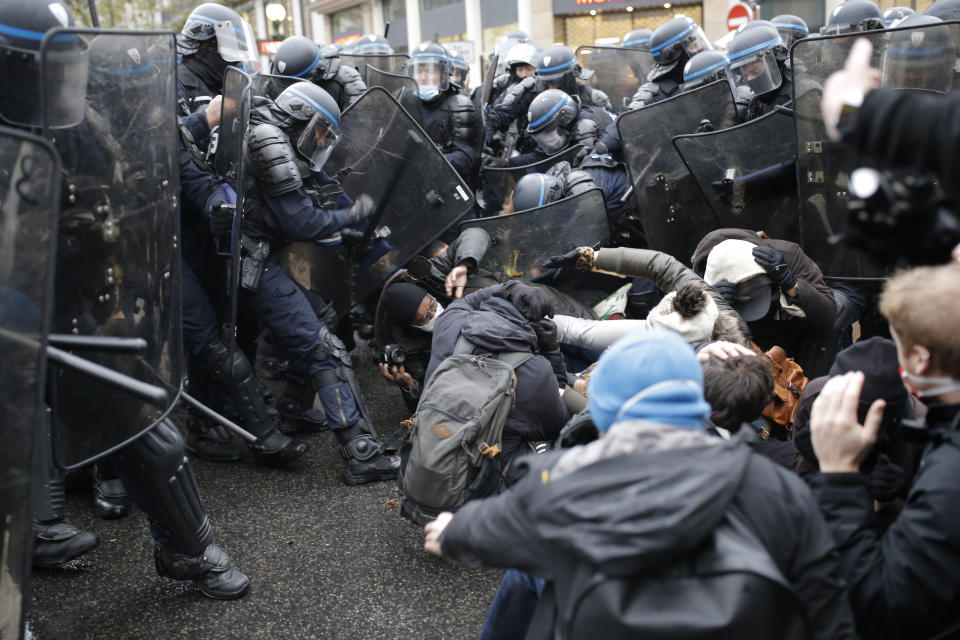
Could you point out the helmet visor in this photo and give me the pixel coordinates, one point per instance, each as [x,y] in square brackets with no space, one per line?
[758,72]
[550,139]
[917,68]
[696,41]
[237,43]
[318,140]
[428,72]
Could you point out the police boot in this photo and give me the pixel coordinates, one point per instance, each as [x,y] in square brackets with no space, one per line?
[211,441]
[365,459]
[297,411]
[110,499]
[57,542]
[210,570]
[232,369]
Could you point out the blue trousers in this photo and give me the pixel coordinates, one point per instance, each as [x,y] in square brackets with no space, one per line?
[513,606]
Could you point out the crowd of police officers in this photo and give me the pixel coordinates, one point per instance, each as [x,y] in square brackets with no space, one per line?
[173,188]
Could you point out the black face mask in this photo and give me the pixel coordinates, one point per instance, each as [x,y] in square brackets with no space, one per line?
[208,64]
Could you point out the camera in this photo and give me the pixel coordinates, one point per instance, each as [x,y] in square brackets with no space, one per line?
[392,355]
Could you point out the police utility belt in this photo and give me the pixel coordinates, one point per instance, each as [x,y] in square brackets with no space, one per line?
[253,259]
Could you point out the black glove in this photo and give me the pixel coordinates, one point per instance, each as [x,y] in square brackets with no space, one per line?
[221,219]
[581,258]
[886,479]
[776,267]
[727,289]
[494,162]
[532,302]
[546,331]
[363,208]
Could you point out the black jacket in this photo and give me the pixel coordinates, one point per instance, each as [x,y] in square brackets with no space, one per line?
[624,518]
[905,582]
[495,326]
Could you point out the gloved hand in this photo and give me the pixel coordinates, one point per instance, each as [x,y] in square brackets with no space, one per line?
[363,209]
[776,267]
[727,289]
[220,209]
[494,162]
[546,331]
[600,149]
[532,302]
[582,258]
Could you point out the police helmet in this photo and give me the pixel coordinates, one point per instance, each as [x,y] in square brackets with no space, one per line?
[791,28]
[313,118]
[754,53]
[672,44]
[430,67]
[22,29]
[234,35]
[705,67]
[550,116]
[459,69]
[944,9]
[535,190]
[852,16]
[893,15]
[371,44]
[297,57]
[560,69]
[523,53]
[637,39]
[919,58]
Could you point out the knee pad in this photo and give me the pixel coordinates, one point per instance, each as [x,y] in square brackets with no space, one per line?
[225,366]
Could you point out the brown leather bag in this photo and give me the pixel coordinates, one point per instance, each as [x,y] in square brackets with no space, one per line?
[789,383]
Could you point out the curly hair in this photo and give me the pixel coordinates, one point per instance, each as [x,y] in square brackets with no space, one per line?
[737,389]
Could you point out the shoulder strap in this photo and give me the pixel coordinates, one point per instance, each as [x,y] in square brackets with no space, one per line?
[512,359]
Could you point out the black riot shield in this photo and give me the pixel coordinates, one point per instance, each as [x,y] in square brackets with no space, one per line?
[393,63]
[617,72]
[118,256]
[392,82]
[487,87]
[270,86]
[229,164]
[672,210]
[384,153]
[502,179]
[521,242]
[747,173]
[823,166]
[29,196]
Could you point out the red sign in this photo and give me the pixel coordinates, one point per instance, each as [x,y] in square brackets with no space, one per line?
[269,47]
[739,14]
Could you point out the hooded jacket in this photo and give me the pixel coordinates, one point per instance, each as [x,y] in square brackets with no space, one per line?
[495,326]
[641,499]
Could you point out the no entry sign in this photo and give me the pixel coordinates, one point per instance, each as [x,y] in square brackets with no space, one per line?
[739,14]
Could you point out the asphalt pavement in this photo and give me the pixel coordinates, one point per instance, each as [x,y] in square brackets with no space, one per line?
[325,560]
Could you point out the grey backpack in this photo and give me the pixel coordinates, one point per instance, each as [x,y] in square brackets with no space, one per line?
[455,435]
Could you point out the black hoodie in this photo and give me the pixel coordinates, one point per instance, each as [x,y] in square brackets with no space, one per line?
[641,511]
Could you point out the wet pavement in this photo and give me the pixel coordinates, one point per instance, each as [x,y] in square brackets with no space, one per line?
[325,560]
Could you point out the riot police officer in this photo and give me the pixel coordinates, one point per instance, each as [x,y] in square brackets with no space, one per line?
[893,16]
[153,466]
[304,122]
[919,63]
[562,181]
[448,116]
[758,76]
[704,68]
[853,16]
[369,44]
[637,39]
[301,57]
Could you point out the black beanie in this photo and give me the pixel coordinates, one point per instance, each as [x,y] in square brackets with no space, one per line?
[877,358]
[402,301]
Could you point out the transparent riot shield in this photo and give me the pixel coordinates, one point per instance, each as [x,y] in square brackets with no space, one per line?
[384,153]
[521,242]
[487,87]
[229,164]
[502,179]
[617,72]
[270,86]
[747,173]
[118,256]
[393,63]
[29,197]
[395,83]
[823,166]
[672,210]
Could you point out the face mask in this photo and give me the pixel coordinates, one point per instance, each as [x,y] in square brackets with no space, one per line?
[432,321]
[941,384]
[551,141]
[428,92]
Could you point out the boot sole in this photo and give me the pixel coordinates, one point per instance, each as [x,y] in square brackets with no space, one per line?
[48,563]
[224,596]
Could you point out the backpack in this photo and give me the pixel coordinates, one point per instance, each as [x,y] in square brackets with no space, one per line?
[453,444]
[789,383]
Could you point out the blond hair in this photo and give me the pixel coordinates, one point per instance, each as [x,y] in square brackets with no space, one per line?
[923,306]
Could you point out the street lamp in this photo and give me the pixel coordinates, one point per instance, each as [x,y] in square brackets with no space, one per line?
[276,12]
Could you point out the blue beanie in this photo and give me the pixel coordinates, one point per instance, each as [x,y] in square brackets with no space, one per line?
[652,375]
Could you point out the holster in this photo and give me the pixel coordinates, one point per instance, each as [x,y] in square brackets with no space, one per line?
[253,257]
